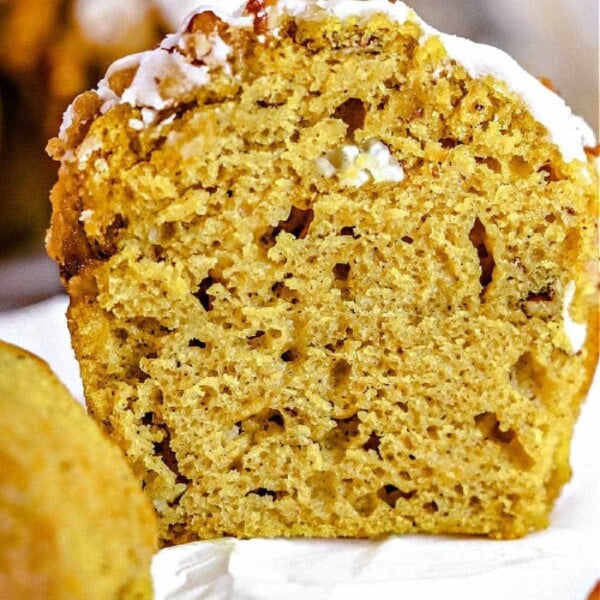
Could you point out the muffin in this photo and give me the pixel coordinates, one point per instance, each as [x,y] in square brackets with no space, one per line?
[75,523]
[332,273]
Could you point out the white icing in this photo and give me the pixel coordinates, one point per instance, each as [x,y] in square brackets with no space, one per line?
[232,433]
[136,124]
[148,115]
[86,215]
[67,121]
[170,65]
[588,137]
[87,148]
[356,165]
[570,133]
[154,67]
[231,10]
[576,332]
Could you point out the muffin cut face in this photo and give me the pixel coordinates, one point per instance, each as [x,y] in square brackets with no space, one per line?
[322,294]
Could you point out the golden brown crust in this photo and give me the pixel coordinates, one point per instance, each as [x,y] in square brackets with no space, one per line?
[74,521]
[66,242]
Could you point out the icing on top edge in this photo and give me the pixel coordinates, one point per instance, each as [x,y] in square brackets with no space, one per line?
[567,131]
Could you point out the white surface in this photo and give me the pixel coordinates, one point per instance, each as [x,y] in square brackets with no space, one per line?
[561,563]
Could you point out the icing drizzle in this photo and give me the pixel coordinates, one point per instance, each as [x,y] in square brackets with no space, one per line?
[172,62]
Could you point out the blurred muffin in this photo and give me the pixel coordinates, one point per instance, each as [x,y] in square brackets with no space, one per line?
[51,50]
[75,523]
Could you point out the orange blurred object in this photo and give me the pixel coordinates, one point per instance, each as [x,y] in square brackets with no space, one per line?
[51,51]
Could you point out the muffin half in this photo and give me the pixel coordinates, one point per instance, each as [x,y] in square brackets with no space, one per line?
[331,274]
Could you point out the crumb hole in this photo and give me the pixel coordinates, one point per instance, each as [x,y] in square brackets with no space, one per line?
[449,143]
[339,344]
[403,406]
[493,164]
[479,238]
[266,421]
[196,343]
[341,372]
[390,494]
[264,492]
[350,231]
[432,432]
[490,427]
[353,113]
[324,486]
[341,275]
[164,449]
[283,292]
[148,419]
[290,355]
[373,443]
[520,167]
[540,303]
[545,295]
[168,231]
[341,271]
[276,418]
[528,377]
[297,223]
[109,245]
[256,336]
[431,507]
[201,294]
[407,239]
[549,172]
[347,428]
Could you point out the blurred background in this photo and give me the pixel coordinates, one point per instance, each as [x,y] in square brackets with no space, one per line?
[52,49]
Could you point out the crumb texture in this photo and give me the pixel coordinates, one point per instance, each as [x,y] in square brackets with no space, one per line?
[284,349]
